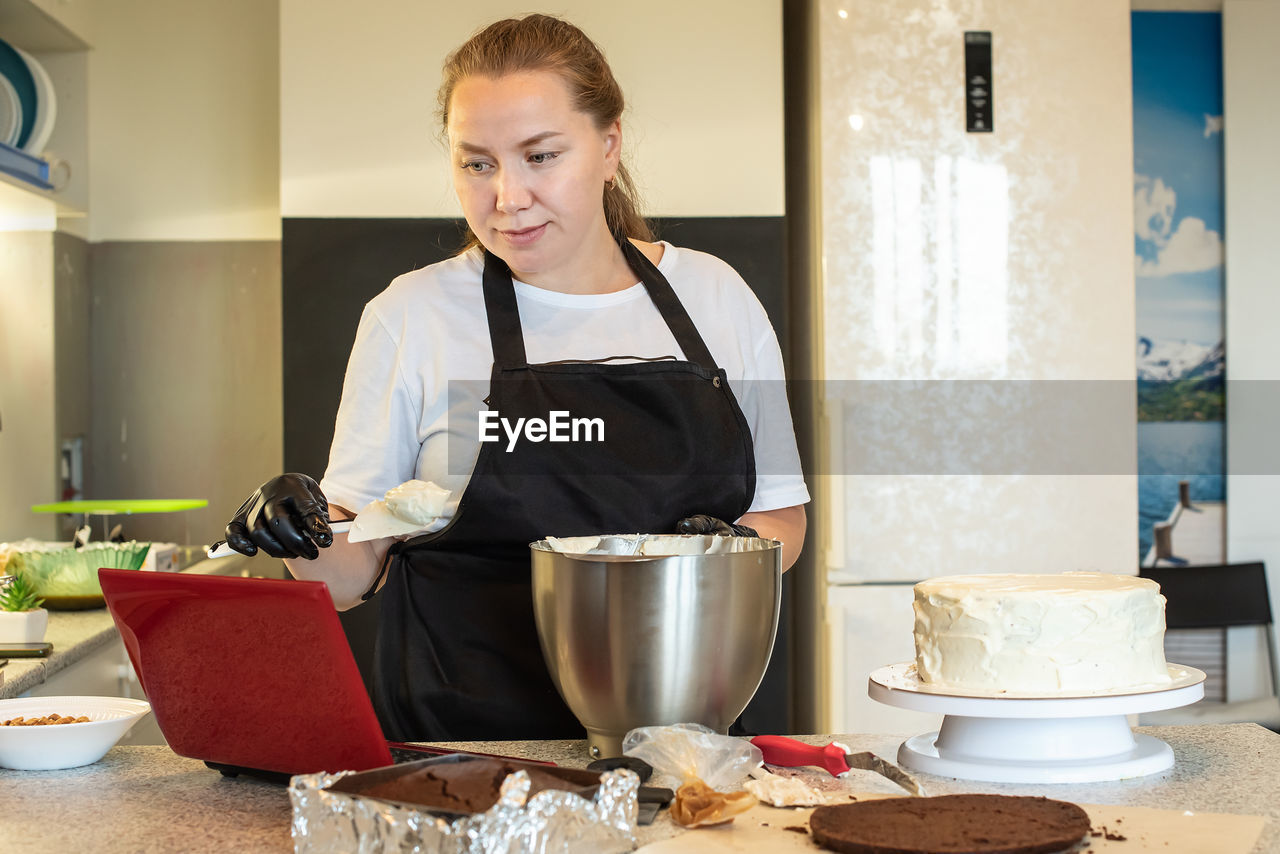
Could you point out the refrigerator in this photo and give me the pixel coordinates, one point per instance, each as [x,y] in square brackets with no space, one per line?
[973,312]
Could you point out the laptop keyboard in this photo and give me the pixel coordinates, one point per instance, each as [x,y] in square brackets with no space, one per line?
[401,755]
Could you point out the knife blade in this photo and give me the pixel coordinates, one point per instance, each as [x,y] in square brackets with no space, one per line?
[836,758]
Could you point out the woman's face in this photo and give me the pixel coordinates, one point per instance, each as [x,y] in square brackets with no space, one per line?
[529,169]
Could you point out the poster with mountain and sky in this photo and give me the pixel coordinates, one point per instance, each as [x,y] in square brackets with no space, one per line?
[1178,239]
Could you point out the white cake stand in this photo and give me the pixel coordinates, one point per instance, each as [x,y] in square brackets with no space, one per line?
[1008,738]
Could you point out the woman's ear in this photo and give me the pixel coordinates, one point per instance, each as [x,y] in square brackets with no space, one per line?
[613,145]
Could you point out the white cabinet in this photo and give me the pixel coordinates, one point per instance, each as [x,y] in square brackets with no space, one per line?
[56,41]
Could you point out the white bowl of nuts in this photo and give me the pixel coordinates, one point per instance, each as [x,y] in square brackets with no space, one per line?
[46,733]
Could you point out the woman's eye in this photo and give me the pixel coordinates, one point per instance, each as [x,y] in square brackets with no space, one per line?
[475,166]
[543,156]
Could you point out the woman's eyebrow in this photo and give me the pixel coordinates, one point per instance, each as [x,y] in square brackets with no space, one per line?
[533,140]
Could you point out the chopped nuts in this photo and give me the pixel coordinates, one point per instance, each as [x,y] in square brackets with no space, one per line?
[54,718]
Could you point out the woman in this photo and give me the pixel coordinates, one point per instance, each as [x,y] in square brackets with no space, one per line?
[542,313]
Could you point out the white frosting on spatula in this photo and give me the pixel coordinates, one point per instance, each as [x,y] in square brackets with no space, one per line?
[416,501]
[407,509]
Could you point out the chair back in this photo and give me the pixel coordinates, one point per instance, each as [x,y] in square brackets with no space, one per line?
[1213,595]
[1206,596]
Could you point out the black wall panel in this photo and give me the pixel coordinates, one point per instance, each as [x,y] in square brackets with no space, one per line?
[332,267]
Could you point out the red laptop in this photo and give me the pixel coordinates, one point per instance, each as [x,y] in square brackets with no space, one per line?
[248,674]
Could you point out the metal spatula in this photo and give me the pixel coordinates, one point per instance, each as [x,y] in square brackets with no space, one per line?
[835,758]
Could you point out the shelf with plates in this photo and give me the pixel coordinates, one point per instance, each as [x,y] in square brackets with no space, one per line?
[42,57]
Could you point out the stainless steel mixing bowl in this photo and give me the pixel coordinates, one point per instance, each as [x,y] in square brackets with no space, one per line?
[644,641]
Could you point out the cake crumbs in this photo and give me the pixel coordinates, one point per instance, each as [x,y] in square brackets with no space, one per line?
[797,828]
[1108,834]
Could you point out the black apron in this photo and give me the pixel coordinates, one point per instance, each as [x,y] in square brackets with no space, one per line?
[457,656]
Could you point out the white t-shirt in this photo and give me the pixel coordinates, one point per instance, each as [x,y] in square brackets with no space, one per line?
[404,414]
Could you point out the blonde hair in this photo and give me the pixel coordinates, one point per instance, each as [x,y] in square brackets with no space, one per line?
[545,43]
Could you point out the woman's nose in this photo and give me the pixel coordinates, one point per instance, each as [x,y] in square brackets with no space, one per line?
[513,192]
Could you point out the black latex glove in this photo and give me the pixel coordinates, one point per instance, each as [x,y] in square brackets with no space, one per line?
[288,516]
[711,525]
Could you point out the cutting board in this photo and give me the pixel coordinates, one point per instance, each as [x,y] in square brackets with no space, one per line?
[764,829]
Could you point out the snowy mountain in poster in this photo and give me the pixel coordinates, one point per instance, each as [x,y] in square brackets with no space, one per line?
[1180,381]
[1165,361]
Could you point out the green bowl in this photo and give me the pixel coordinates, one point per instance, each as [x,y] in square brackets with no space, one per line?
[67,578]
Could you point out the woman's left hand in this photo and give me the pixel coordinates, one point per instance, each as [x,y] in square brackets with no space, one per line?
[702,524]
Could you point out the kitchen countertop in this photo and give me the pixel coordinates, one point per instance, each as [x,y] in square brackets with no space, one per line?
[74,634]
[149,799]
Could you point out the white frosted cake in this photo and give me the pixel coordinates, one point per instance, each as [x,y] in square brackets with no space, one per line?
[1077,632]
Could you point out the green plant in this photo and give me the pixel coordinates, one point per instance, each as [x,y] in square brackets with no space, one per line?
[19,595]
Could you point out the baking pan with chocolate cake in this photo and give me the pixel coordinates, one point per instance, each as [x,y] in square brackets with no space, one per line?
[461,784]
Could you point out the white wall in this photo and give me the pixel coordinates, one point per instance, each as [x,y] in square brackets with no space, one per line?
[184,121]
[1251,73]
[985,256]
[359,136]
[68,146]
[183,141]
[27,426]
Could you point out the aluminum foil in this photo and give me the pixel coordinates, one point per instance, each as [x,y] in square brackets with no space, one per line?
[653,545]
[551,822]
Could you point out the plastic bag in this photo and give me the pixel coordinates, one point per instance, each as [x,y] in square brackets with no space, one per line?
[692,752]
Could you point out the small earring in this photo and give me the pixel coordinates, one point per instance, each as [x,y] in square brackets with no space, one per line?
[611,183]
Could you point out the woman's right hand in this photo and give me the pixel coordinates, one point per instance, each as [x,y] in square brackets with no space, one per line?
[286,517]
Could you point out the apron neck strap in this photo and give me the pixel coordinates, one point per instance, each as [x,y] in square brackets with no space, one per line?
[507,337]
[505,333]
[670,307]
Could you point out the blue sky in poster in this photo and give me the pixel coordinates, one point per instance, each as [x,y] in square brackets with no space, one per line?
[1177,106]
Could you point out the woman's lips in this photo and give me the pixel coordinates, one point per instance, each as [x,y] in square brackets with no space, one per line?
[524,236]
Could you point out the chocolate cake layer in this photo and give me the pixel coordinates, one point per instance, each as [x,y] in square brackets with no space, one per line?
[465,787]
[950,824]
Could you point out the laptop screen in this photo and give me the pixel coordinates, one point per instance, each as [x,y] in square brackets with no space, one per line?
[247,672]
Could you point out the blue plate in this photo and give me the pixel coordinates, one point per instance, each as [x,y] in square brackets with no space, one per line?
[15,68]
[10,112]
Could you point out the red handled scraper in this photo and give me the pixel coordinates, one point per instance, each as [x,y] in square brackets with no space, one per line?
[835,757]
